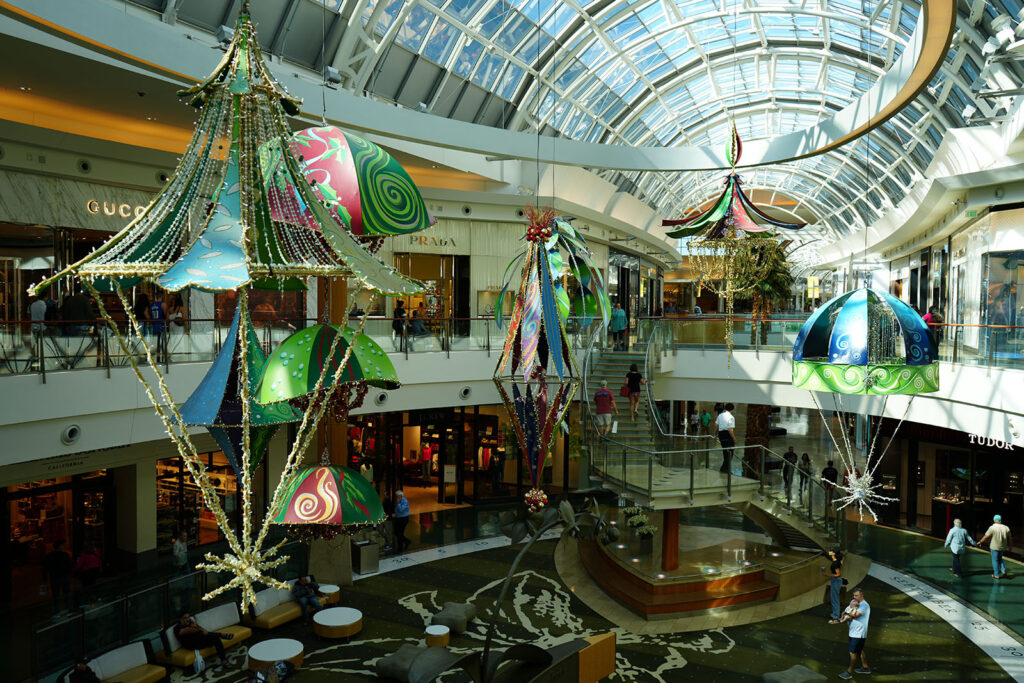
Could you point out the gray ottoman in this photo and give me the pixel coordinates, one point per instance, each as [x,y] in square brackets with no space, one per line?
[455,615]
[794,674]
[396,666]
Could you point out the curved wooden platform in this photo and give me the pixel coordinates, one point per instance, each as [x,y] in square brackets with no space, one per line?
[672,597]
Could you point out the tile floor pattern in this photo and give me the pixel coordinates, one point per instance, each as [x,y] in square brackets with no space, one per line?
[906,642]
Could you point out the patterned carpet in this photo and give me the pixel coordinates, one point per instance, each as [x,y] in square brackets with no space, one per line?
[905,643]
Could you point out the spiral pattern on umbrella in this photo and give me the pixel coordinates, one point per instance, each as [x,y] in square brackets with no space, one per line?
[321,506]
[390,202]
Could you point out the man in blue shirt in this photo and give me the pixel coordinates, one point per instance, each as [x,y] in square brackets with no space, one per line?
[859,613]
[401,520]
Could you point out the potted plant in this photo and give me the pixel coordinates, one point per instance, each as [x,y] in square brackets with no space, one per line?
[645,534]
[635,522]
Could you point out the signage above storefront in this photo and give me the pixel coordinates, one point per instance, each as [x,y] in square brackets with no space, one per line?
[95,206]
[991,443]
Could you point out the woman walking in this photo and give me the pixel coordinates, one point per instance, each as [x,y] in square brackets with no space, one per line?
[634,380]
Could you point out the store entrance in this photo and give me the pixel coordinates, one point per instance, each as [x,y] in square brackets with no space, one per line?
[446,294]
[79,511]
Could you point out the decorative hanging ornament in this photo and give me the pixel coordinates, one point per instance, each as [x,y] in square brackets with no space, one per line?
[213,227]
[325,501]
[870,343]
[291,372]
[216,403]
[732,241]
[359,183]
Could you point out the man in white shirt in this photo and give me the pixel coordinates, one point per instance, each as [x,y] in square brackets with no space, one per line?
[859,613]
[726,435]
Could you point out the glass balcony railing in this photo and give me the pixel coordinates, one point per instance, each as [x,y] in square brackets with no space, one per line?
[52,346]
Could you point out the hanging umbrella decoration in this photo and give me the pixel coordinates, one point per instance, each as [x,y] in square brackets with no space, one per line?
[291,372]
[212,227]
[216,403]
[864,342]
[359,183]
[536,374]
[323,501]
[732,241]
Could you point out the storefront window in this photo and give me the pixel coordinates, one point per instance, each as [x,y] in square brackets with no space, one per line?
[180,503]
[1001,305]
[74,510]
[967,273]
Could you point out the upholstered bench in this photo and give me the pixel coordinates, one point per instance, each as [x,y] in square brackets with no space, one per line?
[126,664]
[273,608]
[223,619]
[455,615]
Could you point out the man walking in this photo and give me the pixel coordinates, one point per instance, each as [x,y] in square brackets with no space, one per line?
[829,477]
[726,435]
[617,326]
[788,468]
[1000,535]
[705,422]
[957,540]
[858,634]
[604,400]
[401,521]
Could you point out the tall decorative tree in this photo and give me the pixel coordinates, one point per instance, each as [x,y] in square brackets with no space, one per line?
[771,286]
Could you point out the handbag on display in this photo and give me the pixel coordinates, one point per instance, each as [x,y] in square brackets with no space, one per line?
[624,390]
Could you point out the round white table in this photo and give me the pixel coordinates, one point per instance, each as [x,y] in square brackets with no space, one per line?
[438,636]
[263,655]
[337,622]
[331,592]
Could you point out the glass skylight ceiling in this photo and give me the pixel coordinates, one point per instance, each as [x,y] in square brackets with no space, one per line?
[682,72]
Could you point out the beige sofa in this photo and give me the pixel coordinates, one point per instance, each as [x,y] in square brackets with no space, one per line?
[126,664]
[273,608]
[223,618]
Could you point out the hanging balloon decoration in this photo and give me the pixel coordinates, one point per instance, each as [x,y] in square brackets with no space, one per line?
[865,342]
[536,374]
[732,241]
[216,227]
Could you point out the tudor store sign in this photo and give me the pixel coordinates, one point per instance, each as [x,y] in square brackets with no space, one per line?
[118,209]
[991,443]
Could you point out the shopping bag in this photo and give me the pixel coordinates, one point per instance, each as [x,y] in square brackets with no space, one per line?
[199,665]
[624,390]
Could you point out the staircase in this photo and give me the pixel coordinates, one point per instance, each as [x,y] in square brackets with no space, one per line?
[612,366]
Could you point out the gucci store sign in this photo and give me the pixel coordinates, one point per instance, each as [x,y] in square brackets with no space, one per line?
[67,203]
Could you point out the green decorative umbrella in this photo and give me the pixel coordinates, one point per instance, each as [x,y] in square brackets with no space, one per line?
[322,501]
[293,368]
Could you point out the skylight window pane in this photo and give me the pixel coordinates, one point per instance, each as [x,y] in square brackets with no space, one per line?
[468,58]
[514,33]
[488,70]
[463,10]
[414,28]
[441,41]
[388,16]
[510,81]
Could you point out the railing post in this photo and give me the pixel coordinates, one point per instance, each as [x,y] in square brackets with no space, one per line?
[760,475]
[623,468]
[487,328]
[650,477]
[42,358]
[691,478]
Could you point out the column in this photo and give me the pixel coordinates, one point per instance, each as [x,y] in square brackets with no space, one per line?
[670,540]
[136,507]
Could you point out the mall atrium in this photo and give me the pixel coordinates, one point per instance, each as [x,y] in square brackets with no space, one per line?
[493,340]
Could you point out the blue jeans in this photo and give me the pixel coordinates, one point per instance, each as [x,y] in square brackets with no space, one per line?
[835,584]
[60,585]
[998,568]
[305,601]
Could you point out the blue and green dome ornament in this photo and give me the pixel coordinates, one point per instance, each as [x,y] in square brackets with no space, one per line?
[866,342]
